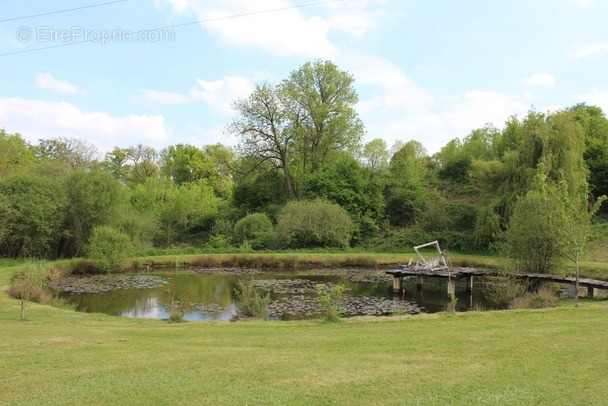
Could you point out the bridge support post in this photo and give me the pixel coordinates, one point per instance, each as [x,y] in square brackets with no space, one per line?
[591,292]
[470,300]
[397,283]
[419,282]
[469,283]
[451,288]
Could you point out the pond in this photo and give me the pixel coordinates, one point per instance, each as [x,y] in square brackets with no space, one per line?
[369,292]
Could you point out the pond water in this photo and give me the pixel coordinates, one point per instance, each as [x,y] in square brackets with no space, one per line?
[292,292]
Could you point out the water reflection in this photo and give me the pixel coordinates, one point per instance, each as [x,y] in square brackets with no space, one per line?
[214,294]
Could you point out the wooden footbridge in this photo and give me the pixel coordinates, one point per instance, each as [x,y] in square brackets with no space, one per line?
[437,267]
[455,274]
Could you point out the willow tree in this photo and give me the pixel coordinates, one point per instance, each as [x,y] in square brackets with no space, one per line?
[405,191]
[595,123]
[549,144]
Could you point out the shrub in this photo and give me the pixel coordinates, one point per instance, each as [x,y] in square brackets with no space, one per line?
[222,227]
[539,300]
[331,301]
[399,239]
[255,228]
[250,302]
[108,247]
[218,242]
[312,224]
[84,267]
[501,291]
[28,285]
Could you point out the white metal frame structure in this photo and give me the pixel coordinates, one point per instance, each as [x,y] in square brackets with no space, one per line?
[438,263]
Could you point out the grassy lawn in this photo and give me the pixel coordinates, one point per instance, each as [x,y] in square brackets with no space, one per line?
[555,356]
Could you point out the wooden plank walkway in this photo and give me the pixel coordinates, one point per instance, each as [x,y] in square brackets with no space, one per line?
[458,272]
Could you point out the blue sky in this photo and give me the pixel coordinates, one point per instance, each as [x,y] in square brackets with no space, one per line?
[425,70]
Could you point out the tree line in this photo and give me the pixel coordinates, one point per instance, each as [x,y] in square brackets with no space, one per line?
[301,177]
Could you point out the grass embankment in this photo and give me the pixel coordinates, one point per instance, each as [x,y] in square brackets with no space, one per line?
[286,260]
[304,260]
[555,356]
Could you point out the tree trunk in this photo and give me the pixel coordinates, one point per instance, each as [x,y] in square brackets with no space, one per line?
[576,287]
[22,309]
[288,181]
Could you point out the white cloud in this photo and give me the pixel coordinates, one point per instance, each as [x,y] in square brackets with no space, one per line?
[157,96]
[40,119]
[598,97]
[356,17]
[449,118]
[392,88]
[540,79]
[476,108]
[48,81]
[397,108]
[212,135]
[273,26]
[590,50]
[219,94]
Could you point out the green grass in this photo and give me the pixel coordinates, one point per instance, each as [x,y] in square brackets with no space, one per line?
[59,357]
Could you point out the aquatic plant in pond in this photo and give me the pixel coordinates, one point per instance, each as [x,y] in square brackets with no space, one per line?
[178,303]
[250,302]
[292,293]
[331,301]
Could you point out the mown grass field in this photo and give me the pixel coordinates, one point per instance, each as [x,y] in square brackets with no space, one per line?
[555,356]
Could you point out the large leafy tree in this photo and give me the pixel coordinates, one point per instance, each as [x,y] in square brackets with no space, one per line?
[73,153]
[550,224]
[375,155]
[595,123]
[185,209]
[456,157]
[132,165]
[15,154]
[322,99]
[262,192]
[355,188]
[299,125]
[184,163]
[222,161]
[406,192]
[93,199]
[31,213]
[266,129]
[549,144]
